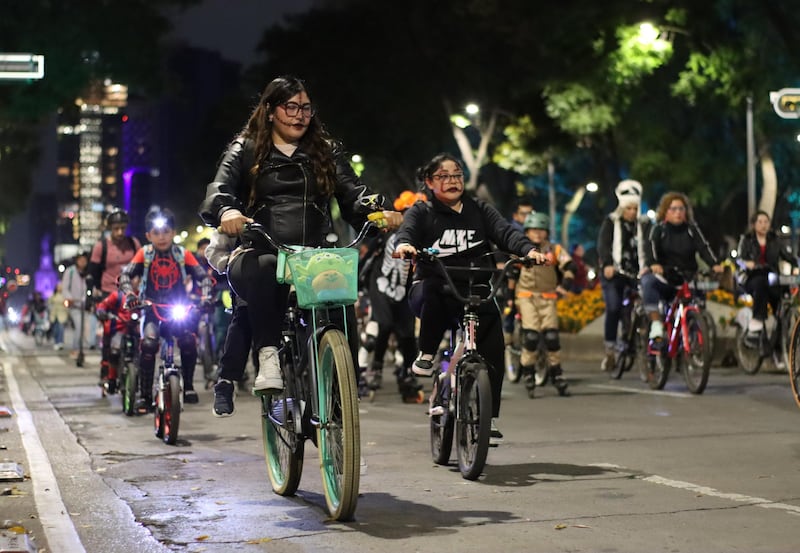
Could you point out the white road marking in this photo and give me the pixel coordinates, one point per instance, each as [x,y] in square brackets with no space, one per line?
[53,514]
[641,390]
[705,490]
[739,498]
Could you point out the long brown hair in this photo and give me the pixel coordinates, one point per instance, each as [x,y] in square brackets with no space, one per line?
[670,197]
[316,142]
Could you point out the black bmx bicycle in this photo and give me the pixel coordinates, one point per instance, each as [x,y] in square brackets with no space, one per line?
[319,401]
[461,396]
[632,345]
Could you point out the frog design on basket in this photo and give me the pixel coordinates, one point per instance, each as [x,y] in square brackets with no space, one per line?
[327,274]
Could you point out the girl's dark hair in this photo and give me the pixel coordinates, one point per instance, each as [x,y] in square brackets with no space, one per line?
[427,170]
[316,141]
[754,216]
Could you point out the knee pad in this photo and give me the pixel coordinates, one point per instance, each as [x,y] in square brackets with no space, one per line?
[530,339]
[370,336]
[551,340]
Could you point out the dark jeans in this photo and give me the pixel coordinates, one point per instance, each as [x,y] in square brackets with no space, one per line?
[438,311]
[613,295]
[653,291]
[763,294]
[237,345]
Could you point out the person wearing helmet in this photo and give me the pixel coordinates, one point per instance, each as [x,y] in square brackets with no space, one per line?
[163,267]
[463,229]
[621,244]
[535,293]
[109,255]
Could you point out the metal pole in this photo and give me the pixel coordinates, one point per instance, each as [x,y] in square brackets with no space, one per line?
[551,197]
[751,161]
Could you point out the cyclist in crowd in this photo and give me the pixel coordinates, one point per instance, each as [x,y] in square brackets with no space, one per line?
[36,314]
[74,285]
[621,245]
[522,208]
[109,255]
[536,290]
[57,306]
[283,170]
[238,340]
[760,251]
[112,311]
[463,229]
[675,241]
[387,288]
[163,267]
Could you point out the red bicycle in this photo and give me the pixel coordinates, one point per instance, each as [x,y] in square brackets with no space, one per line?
[685,342]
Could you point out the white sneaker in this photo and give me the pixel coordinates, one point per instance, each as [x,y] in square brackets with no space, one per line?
[755,326]
[423,366]
[269,379]
[656,330]
[495,436]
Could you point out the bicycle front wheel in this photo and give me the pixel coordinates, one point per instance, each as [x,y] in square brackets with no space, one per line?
[441,419]
[794,362]
[748,357]
[130,376]
[696,353]
[474,420]
[338,433]
[172,409]
[787,324]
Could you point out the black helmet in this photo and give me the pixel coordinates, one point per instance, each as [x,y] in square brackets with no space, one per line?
[117,217]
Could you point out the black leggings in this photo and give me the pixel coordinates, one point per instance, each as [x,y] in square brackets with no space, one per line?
[438,310]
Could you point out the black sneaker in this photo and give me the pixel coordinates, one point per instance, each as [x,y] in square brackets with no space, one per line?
[223,398]
[190,396]
[144,405]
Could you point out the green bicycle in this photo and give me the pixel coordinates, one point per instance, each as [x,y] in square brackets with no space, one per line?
[320,397]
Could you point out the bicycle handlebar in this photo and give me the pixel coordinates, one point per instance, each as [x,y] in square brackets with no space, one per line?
[431,254]
[259,229]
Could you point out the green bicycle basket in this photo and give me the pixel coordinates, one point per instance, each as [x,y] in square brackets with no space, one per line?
[324,277]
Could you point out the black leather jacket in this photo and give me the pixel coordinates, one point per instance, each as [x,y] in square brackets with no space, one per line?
[749,250]
[286,199]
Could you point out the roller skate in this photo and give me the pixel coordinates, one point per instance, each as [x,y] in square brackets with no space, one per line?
[108,382]
[529,379]
[410,390]
[560,383]
[373,377]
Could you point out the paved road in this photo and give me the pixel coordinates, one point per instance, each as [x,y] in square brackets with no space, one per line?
[615,467]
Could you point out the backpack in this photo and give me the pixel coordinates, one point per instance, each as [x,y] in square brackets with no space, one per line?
[178,253]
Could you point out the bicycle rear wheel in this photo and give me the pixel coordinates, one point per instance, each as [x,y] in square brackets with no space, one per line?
[283,446]
[697,360]
[794,362]
[172,409]
[474,420]
[441,419]
[338,433]
[749,358]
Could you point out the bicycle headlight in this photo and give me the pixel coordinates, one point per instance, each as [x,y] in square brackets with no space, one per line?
[179,312]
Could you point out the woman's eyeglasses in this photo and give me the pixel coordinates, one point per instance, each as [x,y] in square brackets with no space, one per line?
[292,109]
[445,178]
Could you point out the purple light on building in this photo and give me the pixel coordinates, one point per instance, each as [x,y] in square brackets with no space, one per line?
[127,178]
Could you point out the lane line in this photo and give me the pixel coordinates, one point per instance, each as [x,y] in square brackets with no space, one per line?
[641,390]
[739,498]
[53,515]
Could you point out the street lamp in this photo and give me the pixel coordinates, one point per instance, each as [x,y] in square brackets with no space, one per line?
[572,207]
